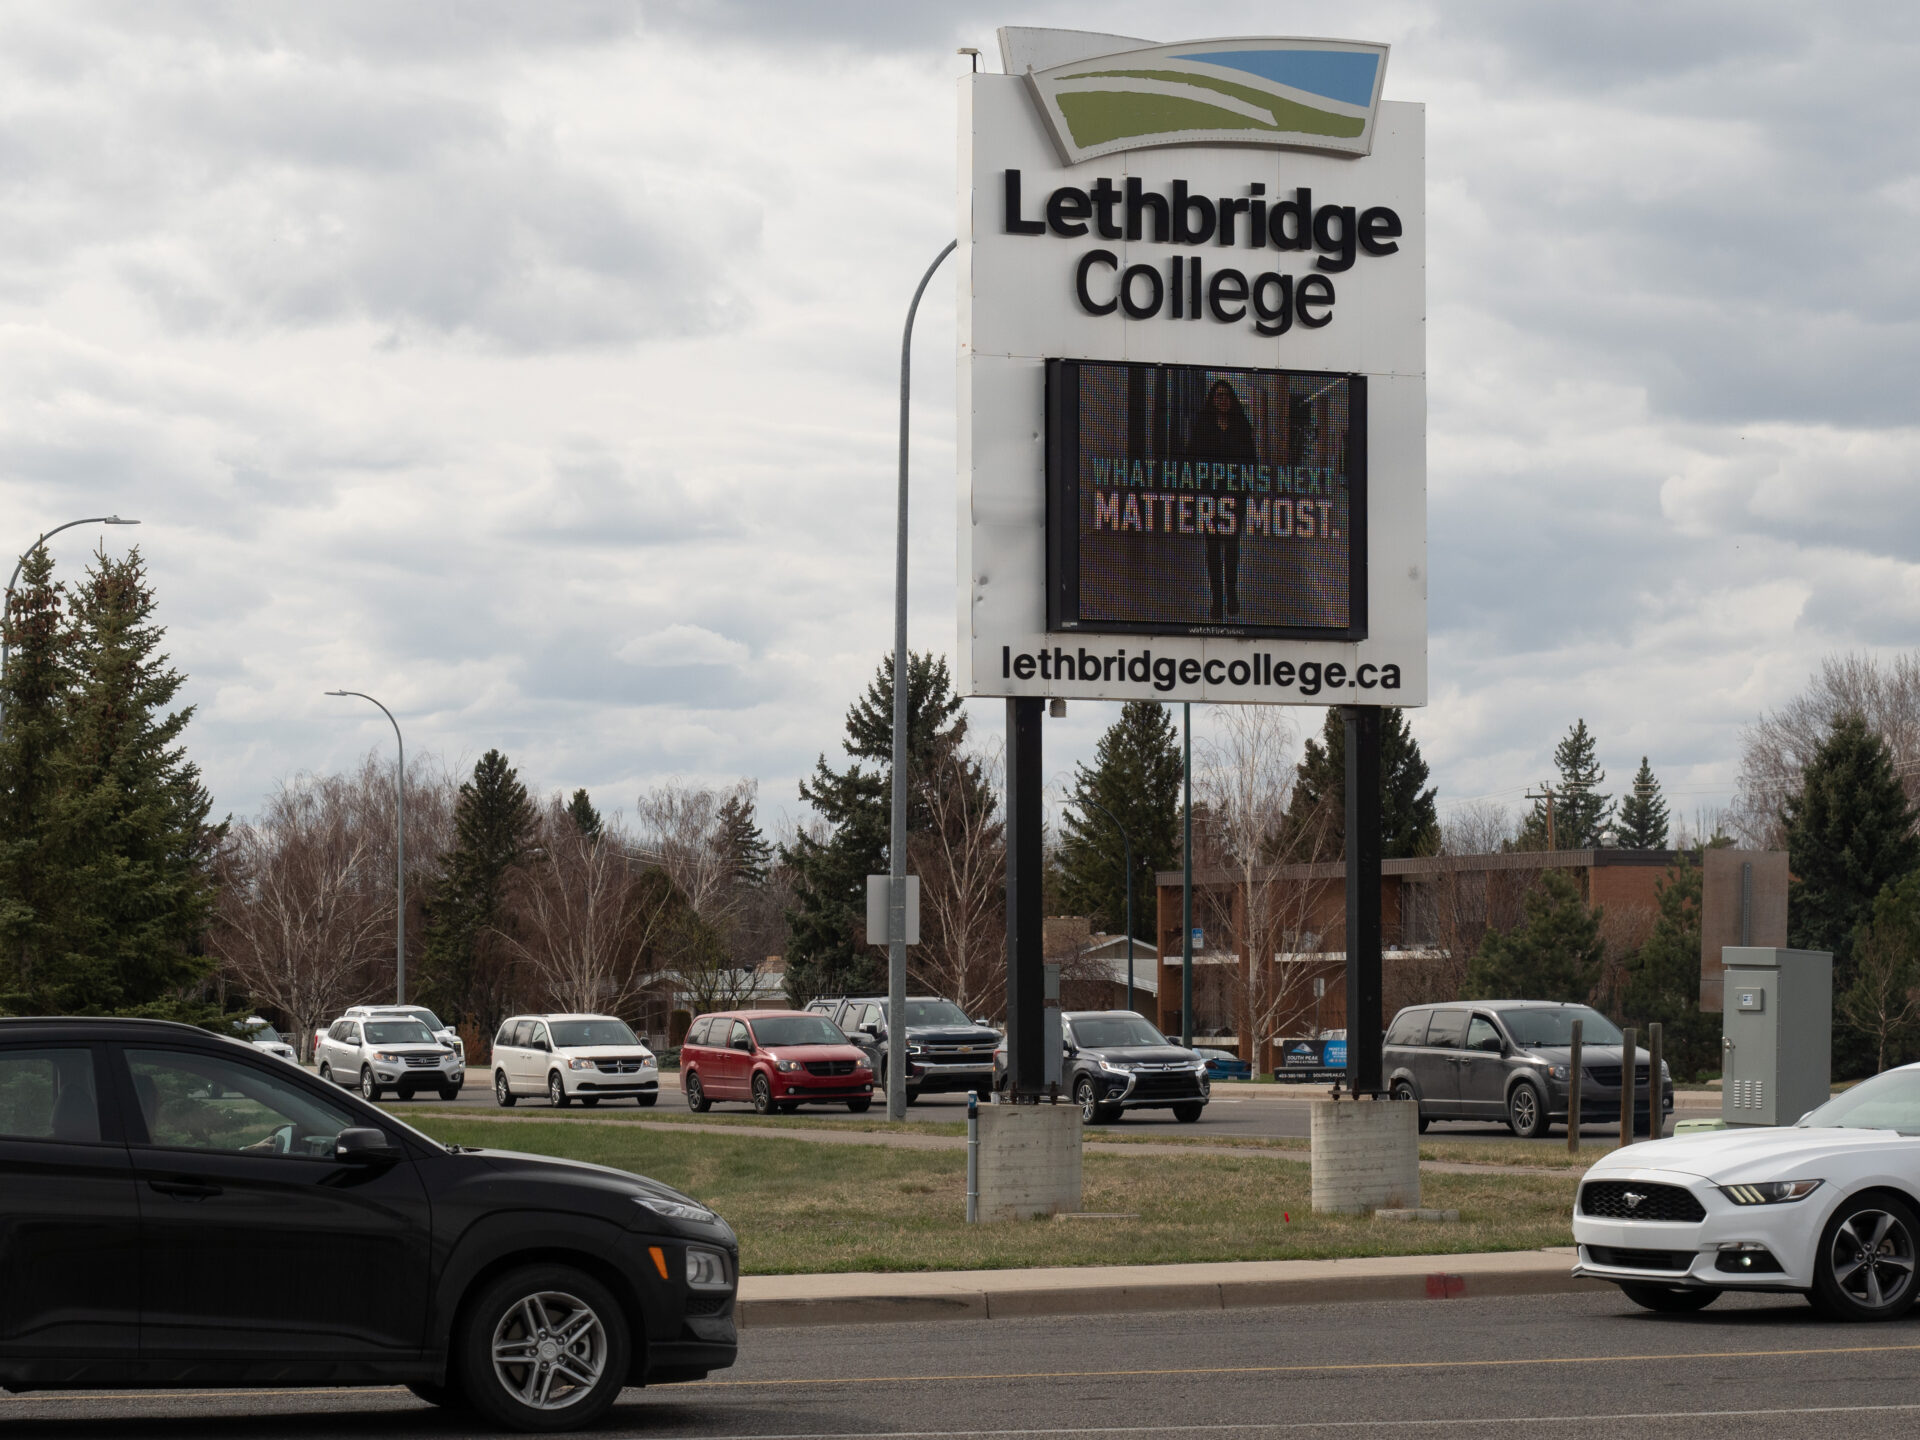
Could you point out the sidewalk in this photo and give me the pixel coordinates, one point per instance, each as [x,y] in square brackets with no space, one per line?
[767,1301]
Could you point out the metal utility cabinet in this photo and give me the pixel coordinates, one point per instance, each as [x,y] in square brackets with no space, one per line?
[1777,1034]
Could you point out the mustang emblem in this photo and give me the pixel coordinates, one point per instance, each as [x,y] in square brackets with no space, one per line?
[1633,1199]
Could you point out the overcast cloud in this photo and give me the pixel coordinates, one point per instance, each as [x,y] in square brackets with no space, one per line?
[532,366]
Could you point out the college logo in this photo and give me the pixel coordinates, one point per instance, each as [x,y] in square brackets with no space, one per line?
[1299,94]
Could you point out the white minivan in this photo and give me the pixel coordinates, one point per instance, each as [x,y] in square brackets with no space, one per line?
[588,1058]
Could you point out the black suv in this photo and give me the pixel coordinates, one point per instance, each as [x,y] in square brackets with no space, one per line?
[946,1052]
[180,1209]
[1508,1060]
[1115,1061]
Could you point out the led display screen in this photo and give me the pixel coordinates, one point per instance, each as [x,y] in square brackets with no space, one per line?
[1190,500]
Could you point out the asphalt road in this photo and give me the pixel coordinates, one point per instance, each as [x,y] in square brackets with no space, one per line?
[1565,1366]
[1278,1111]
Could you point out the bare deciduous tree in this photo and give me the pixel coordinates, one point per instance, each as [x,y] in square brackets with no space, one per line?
[306,900]
[1776,747]
[1247,776]
[961,860]
[588,914]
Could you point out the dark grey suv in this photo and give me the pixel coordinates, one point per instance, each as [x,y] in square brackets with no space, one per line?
[1508,1060]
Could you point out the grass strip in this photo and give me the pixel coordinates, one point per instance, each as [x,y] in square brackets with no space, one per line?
[802,1208]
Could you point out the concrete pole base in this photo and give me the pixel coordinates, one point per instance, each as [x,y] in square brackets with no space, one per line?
[1365,1155]
[1029,1161]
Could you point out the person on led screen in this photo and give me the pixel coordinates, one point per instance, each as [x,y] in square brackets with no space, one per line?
[1221,433]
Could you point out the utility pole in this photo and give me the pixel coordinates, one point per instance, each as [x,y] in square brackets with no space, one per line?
[1548,797]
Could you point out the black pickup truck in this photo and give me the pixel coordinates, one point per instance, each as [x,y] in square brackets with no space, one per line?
[946,1052]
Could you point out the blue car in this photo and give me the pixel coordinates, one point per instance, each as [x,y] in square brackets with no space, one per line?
[1224,1065]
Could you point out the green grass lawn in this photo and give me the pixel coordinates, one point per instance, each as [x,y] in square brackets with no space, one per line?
[1524,1153]
[802,1207]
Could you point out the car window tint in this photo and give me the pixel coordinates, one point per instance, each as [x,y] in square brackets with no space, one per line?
[696,1033]
[206,1102]
[48,1095]
[505,1037]
[739,1033]
[523,1034]
[539,1035]
[1409,1028]
[1482,1035]
[874,1017]
[1447,1028]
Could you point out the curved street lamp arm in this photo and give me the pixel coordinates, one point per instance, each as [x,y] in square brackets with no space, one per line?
[90,520]
[400,849]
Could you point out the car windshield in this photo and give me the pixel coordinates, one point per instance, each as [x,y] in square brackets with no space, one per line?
[798,1030]
[398,1032]
[1889,1101]
[935,1012]
[426,1018]
[1098,1032]
[1548,1026]
[572,1034]
[264,1035]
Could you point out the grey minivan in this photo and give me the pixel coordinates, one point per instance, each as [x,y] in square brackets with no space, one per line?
[1508,1060]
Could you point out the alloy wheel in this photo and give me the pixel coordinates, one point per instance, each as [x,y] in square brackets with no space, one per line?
[1872,1259]
[556,1091]
[1089,1105]
[549,1350]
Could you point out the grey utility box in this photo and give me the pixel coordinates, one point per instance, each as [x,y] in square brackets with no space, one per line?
[1777,1034]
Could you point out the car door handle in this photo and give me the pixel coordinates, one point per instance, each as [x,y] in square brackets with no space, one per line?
[184,1189]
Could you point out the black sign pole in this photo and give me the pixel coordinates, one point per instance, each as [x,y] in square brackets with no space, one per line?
[1026,962]
[1364,1067]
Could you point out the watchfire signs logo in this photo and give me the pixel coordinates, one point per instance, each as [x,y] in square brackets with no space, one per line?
[1302,94]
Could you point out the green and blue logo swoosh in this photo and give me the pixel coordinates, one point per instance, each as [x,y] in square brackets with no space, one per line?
[1300,94]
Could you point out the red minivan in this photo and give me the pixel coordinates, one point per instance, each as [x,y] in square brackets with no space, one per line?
[773,1060]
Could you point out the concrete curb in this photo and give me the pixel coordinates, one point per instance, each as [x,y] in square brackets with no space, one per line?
[771,1301]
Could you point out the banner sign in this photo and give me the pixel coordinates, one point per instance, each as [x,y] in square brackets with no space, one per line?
[1303,1060]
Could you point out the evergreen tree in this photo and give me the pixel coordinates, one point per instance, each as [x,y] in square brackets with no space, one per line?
[1554,953]
[1882,1004]
[824,953]
[493,825]
[1317,815]
[739,839]
[1643,814]
[1663,979]
[131,850]
[585,818]
[33,691]
[1849,836]
[1136,775]
[1581,813]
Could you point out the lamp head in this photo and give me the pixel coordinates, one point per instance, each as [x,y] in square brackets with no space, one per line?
[116,520]
[338,692]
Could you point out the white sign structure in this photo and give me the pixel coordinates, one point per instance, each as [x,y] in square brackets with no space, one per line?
[1192,374]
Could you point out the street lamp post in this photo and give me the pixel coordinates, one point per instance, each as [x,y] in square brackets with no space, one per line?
[897,835]
[6,612]
[1126,842]
[400,849]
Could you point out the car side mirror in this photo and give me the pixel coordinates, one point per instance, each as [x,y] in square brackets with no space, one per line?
[364,1145]
[745,1047]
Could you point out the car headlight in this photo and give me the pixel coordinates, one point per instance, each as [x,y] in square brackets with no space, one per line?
[788,1065]
[1665,1073]
[676,1209]
[1557,1072]
[386,1056]
[576,1064]
[914,1050]
[1114,1069]
[1770,1192]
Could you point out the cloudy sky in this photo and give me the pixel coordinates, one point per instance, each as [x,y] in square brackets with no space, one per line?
[532,367]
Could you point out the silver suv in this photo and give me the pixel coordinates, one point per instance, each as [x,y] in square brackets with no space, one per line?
[377,1053]
[442,1031]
